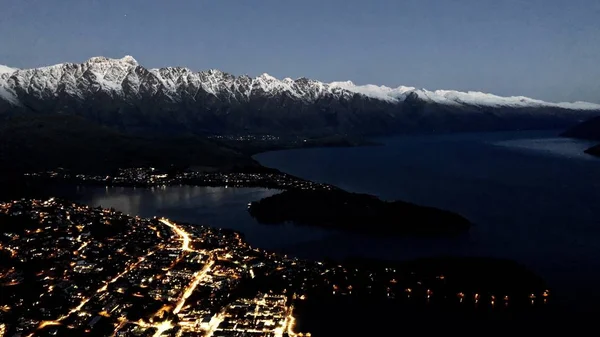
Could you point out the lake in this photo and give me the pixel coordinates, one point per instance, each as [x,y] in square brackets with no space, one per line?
[532,196]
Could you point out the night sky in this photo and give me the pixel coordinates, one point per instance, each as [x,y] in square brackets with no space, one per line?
[546,49]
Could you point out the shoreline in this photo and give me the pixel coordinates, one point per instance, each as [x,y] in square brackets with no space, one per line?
[300,201]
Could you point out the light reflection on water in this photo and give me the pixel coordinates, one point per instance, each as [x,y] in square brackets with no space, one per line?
[213,206]
[566,147]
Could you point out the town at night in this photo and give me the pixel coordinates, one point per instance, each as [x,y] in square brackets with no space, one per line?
[75,270]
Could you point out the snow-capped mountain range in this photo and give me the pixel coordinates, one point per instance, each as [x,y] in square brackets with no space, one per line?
[121,92]
[116,76]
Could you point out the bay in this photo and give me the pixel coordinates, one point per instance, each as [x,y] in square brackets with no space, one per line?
[211,206]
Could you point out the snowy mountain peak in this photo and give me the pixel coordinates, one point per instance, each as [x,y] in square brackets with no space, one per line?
[214,72]
[267,77]
[343,84]
[128,59]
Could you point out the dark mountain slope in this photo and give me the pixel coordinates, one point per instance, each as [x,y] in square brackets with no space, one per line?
[39,142]
[595,150]
[589,129]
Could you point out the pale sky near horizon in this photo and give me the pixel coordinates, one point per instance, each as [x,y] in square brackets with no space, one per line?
[546,49]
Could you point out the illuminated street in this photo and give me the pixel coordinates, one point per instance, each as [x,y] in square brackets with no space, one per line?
[185,237]
[190,289]
[162,327]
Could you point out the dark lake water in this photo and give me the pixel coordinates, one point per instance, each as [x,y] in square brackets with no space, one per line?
[533,197]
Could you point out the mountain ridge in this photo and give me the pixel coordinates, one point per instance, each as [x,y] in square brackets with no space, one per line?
[270,83]
[126,95]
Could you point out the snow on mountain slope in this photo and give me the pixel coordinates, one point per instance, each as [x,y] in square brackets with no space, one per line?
[6,70]
[373,91]
[6,93]
[451,97]
[490,100]
[9,96]
[126,79]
